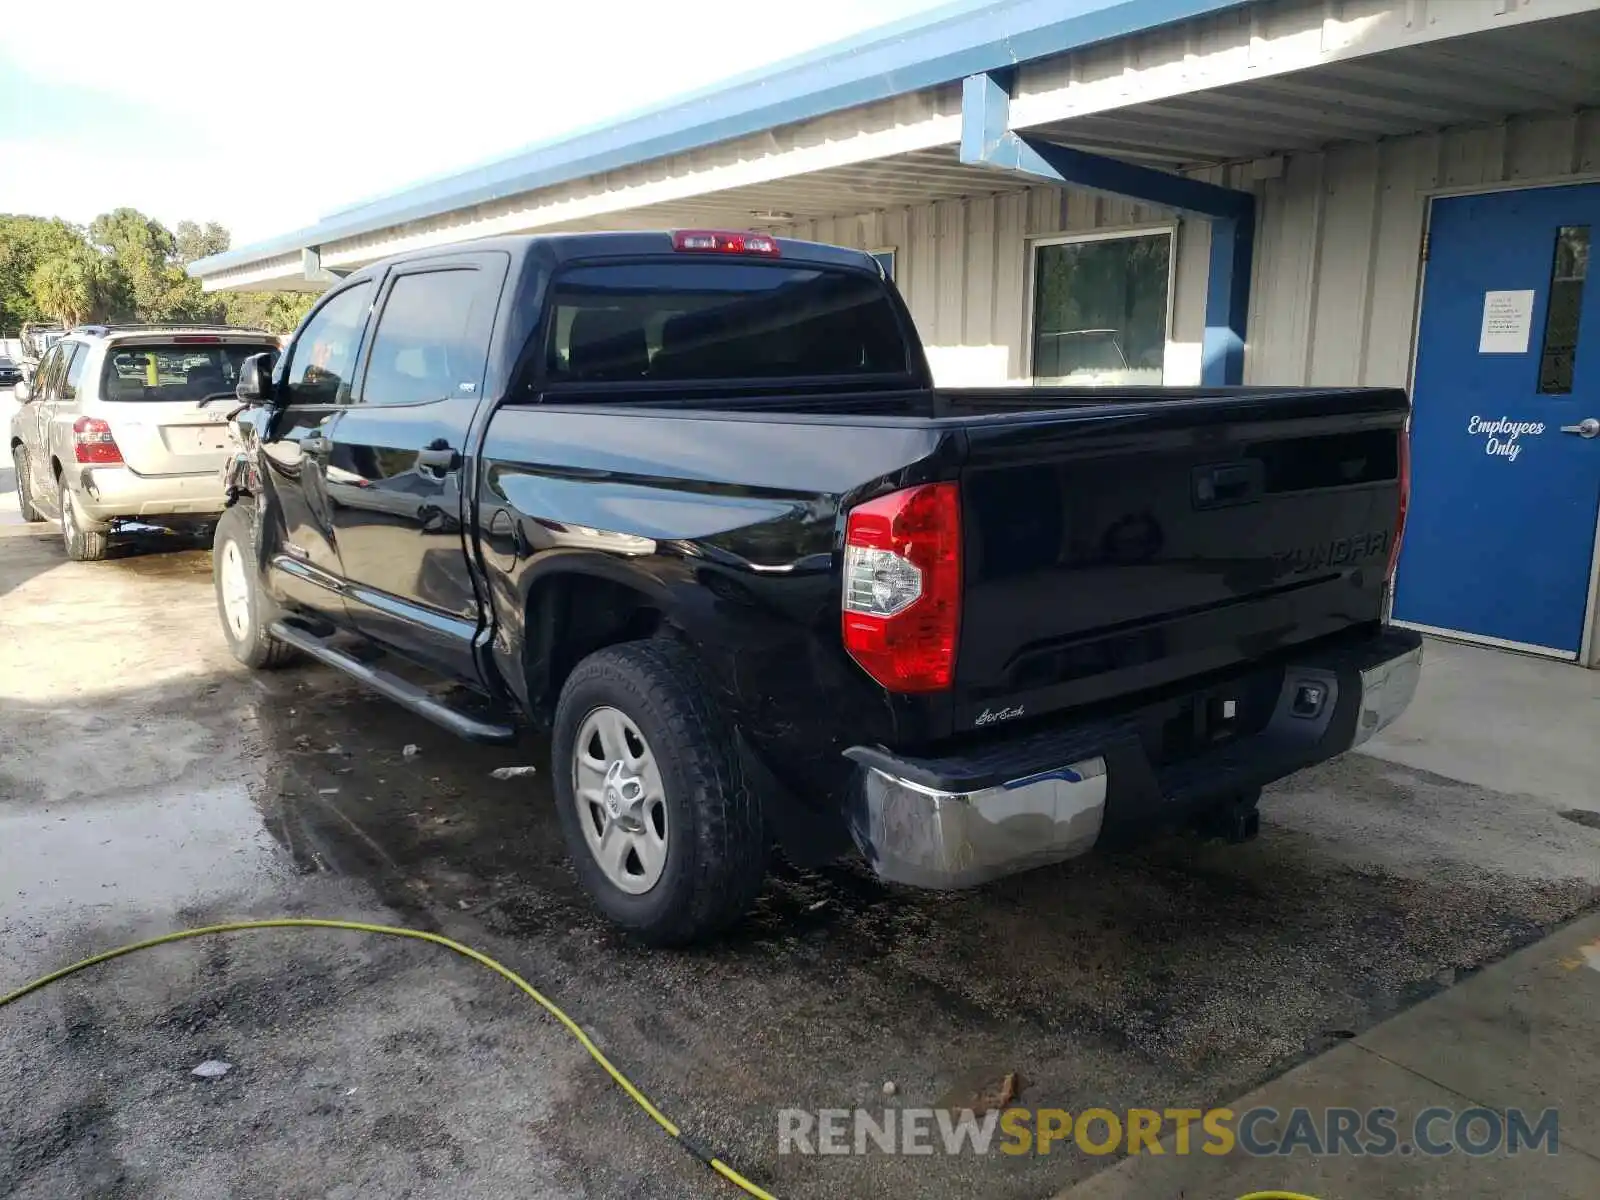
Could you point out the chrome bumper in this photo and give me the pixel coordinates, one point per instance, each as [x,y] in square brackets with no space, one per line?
[1386,691]
[916,834]
[928,838]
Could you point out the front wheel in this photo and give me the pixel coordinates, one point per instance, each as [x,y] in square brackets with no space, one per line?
[19,459]
[661,824]
[241,604]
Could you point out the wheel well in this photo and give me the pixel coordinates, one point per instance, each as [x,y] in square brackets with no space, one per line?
[571,616]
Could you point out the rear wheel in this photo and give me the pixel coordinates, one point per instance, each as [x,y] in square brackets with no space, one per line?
[83,545]
[662,826]
[246,611]
[19,459]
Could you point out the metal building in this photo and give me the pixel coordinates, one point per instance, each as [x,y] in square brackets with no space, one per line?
[1102,191]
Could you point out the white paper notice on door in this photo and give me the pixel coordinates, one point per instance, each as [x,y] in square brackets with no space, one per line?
[1507,322]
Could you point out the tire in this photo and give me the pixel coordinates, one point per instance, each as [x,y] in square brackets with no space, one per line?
[19,459]
[83,545]
[714,841]
[246,622]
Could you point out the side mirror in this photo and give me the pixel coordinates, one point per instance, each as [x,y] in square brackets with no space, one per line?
[255,378]
[22,391]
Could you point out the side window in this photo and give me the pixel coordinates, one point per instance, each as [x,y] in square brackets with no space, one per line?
[80,359]
[432,339]
[324,355]
[45,371]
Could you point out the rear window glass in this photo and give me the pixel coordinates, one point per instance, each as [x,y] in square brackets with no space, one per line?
[708,320]
[174,372]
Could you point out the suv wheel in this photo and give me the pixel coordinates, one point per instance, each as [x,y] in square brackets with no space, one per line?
[245,610]
[663,829]
[19,459]
[83,545]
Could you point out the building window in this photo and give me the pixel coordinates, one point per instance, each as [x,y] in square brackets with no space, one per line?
[885,262]
[1100,309]
[1560,351]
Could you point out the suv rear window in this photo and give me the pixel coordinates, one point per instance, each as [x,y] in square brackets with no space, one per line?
[173,371]
[707,320]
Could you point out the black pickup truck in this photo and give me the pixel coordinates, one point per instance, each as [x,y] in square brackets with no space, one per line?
[691,503]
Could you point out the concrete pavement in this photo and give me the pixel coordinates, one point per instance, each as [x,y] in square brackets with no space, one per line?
[1505,721]
[1519,1035]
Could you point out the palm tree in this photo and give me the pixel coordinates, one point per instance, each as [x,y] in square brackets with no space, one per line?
[71,286]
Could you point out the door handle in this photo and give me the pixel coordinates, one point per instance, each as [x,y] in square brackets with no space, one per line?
[438,458]
[315,444]
[1587,428]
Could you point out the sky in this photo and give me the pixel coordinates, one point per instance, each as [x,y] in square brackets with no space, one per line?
[268,116]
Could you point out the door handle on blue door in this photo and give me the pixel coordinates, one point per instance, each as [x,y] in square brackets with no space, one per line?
[1587,428]
[315,444]
[438,458]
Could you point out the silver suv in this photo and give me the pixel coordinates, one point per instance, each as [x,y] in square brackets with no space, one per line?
[128,422]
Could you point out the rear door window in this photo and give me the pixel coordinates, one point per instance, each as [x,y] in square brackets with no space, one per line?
[706,320]
[75,369]
[177,370]
[432,339]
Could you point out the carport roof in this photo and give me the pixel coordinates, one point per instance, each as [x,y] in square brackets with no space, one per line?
[932,48]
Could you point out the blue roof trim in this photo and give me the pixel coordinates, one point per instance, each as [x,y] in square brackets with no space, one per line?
[941,46]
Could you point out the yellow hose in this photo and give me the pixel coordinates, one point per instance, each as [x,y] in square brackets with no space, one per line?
[505,972]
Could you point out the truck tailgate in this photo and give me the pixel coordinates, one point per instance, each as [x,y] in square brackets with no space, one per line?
[1114,547]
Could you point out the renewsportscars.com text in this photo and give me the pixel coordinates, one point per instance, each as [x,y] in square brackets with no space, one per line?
[1217,1131]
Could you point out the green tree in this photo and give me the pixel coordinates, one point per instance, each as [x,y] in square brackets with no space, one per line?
[72,286]
[277,312]
[193,242]
[125,267]
[149,269]
[26,243]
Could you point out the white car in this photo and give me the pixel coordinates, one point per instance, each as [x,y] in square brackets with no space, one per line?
[128,422]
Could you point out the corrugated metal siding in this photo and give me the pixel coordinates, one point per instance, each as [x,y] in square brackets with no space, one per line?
[962,267]
[1338,246]
[1340,243]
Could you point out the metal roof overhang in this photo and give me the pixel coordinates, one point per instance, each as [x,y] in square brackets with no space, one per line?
[1234,84]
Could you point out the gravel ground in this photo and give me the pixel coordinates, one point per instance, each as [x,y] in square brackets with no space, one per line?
[148,783]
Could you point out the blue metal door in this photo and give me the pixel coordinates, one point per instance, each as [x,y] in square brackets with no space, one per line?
[1505,461]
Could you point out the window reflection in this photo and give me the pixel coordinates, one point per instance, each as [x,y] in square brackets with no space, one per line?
[1564,312]
[1100,310]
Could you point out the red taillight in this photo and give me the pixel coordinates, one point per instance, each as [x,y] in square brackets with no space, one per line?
[92,442]
[717,241]
[902,587]
[193,339]
[1405,502]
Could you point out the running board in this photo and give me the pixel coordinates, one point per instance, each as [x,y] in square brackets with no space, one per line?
[402,692]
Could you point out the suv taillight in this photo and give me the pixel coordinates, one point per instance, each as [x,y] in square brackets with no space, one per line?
[902,587]
[92,442]
[1405,503]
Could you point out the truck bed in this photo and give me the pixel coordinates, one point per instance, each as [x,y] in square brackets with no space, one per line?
[1115,541]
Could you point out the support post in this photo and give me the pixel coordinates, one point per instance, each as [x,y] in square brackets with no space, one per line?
[314,271]
[988,140]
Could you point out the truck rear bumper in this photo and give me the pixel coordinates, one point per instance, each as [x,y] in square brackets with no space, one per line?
[1046,795]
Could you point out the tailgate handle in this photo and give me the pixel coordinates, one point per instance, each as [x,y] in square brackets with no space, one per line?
[1234,483]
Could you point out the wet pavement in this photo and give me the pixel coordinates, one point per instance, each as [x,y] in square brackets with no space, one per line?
[149,783]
